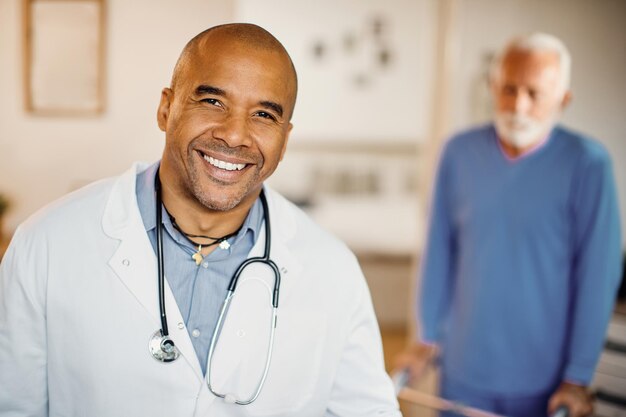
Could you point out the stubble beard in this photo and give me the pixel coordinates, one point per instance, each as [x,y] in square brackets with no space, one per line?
[235,193]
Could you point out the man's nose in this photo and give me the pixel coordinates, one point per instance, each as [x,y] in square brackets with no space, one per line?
[522,102]
[233,130]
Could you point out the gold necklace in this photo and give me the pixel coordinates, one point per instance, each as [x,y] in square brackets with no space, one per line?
[222,242]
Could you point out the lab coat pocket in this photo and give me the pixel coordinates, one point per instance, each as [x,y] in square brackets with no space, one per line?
[242,351]
[290,388]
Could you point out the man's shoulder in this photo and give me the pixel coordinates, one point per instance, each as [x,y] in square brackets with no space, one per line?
[300,229]
[472,141]
[475,132]
[470,137]
[581,146]
[71,211]
[324,259]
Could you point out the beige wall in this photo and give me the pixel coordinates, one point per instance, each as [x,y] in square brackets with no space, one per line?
[43,158]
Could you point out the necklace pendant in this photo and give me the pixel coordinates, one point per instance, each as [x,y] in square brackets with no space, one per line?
[224,244]
[198,256]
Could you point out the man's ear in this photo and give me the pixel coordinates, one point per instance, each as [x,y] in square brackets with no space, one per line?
[163,112]
[567,99]
[282,151]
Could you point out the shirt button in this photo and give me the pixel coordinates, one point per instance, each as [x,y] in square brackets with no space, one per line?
[205,264]
[195,333]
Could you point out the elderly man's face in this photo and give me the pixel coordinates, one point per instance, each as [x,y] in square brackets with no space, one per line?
[226,122]
[528,96]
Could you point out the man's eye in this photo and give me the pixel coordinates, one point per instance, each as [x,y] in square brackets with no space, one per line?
[266,115]
[213,101]
[509,90]
[535,95]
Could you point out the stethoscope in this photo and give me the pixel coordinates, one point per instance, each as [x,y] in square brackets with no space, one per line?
[162,346]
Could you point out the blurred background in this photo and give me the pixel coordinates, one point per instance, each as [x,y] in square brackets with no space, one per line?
[382,85]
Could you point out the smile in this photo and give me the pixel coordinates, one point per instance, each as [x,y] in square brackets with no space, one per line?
[228,166]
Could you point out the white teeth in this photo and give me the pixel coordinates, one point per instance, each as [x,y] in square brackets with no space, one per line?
[223,164]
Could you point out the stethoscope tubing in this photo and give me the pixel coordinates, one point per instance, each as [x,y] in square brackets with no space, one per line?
[168,351]
[214,339]
[161,272]
[265,259]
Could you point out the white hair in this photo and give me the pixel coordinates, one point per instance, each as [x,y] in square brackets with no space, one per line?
[536,42]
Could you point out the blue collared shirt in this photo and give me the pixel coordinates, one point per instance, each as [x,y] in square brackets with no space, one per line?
[199,290]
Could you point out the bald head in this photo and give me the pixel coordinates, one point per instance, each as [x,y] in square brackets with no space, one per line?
[252,36]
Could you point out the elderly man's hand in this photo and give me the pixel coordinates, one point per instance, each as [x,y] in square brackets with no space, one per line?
[576,398]
[416,359]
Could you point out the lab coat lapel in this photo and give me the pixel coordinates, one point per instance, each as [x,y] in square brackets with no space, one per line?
[134,262]
[247,328]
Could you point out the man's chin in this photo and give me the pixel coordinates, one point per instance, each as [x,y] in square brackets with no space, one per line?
[221,198]
[523,138]
[520,140]
[218,201]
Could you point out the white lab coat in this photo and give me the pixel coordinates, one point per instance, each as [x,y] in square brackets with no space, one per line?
[79,302]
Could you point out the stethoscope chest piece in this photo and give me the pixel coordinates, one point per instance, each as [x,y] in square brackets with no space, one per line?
[162,348]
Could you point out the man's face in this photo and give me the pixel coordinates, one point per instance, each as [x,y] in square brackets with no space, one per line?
[528,97]
[226,122]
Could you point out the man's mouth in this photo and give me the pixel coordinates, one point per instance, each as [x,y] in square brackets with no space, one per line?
[227,166]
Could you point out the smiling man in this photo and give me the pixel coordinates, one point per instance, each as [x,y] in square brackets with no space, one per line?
[187,287]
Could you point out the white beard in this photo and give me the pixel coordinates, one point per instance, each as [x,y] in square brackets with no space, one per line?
[522,131]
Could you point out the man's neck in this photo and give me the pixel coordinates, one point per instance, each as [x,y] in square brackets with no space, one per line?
[194,218]
[514,152]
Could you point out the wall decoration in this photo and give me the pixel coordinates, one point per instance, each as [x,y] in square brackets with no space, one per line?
[64,56]
[371,38]
[365,67]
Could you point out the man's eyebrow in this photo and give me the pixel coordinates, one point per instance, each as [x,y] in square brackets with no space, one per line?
[273,106]
[202,90]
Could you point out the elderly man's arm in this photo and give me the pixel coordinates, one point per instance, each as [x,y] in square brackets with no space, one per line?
[596,272]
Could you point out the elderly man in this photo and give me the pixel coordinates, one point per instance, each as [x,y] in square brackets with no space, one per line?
[523,252]
[187,288]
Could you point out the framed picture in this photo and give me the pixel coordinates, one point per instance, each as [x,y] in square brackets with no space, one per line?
[64,57]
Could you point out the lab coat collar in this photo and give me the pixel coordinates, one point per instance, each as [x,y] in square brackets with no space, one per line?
[135,264]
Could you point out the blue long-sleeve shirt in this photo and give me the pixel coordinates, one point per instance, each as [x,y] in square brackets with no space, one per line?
[522,262]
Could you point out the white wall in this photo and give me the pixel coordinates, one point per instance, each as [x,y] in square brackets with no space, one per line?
[594,31]
[43,158]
